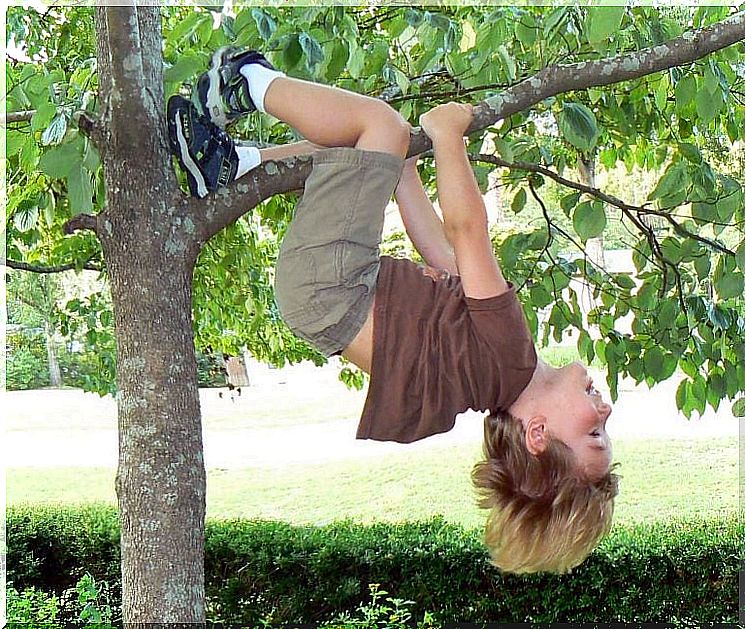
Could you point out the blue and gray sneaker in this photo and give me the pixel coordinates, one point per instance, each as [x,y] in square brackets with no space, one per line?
[222,93]
[205,152]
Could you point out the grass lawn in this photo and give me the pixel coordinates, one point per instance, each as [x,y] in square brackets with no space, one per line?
[661,480]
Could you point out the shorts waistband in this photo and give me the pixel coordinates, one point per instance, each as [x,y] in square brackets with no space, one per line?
[358,157]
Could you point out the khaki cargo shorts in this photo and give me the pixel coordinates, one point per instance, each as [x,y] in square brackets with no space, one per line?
[328,261]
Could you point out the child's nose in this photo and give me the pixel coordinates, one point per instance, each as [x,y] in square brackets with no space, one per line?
[605,410]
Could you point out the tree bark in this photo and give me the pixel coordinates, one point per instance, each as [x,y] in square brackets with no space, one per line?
[150,247]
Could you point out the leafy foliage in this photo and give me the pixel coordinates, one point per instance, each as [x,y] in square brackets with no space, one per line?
[681,306]
[272,572]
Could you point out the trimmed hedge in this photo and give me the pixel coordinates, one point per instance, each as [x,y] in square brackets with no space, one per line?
[274,571]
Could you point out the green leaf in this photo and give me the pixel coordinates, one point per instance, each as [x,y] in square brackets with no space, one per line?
[675,178]
[661,91]
[624,281]
[730,285]
[702,264]
[709,105]
[518,201]
[526,30]
[602,22]
[589,219]
[356,59]
[704,212]
[80,190]
[26,217]
[29,155]
[337,60]
[504,149]
[54,133]
[740,255]
[685,91]
[49,205]
[738,408]
[60,160]
[312,49]
[264,22]
[729,203]
[402,81]
[569,201]
[690,152]
[508,62]
[578,126]
[187,66]
[653,363]
[43,116]
[681,396]
[292,52]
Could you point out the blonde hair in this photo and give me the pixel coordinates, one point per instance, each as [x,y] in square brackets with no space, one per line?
[545,516]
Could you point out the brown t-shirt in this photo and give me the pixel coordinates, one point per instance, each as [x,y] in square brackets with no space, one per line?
[437,353]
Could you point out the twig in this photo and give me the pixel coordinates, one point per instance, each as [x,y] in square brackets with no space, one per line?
[607,198]
[24,266]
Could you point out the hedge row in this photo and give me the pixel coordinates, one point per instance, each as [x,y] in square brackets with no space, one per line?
[290,574]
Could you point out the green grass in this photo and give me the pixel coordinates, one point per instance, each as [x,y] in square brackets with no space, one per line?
[661,480]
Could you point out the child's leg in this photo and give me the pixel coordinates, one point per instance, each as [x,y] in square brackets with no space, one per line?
[334,117]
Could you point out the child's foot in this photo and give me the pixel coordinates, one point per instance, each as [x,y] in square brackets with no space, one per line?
[205,152]
[222,92]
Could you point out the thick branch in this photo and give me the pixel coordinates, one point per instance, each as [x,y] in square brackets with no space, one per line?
[228,204]
[61,268]
[559,79]
[91,127]
[79,222]
[277,177]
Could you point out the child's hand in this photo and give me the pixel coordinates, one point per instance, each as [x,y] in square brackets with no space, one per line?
[450,120]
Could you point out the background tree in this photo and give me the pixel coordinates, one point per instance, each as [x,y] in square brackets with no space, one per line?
[543,77]
[34,302]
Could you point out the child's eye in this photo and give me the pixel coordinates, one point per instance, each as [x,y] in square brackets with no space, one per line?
[595,433]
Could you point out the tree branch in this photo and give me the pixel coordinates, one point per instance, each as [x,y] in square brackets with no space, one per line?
[17,116]
[218,210]
[24,266]
[91,126]
[607,198]
[79,222]
[559,79]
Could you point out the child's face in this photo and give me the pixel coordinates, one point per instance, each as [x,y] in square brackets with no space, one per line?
[577,417]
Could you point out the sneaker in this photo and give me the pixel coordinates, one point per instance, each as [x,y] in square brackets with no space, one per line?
[222,92]
[205,152]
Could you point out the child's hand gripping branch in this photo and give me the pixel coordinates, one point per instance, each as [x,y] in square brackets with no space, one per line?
[434,344]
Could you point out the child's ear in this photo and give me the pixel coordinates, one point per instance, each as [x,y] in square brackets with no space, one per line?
[536,437]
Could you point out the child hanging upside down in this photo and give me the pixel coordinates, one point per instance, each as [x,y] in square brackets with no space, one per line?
[436,340]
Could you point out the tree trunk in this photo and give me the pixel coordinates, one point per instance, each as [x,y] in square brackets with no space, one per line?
[150,246]
[55,376]
[594,248]
[160,481]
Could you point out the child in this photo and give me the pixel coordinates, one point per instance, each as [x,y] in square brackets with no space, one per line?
[435,340]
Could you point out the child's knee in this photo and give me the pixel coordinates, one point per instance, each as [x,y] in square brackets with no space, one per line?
[385,121]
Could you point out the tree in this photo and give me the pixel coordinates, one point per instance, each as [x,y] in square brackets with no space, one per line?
[38,296]
[149,235]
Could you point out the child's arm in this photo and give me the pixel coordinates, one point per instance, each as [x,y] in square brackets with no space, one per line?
[463,209]
[422,224]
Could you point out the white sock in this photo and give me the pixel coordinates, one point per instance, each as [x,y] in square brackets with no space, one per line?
[259,79]
[249,158]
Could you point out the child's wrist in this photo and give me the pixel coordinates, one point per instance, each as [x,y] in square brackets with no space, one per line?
[447,137]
